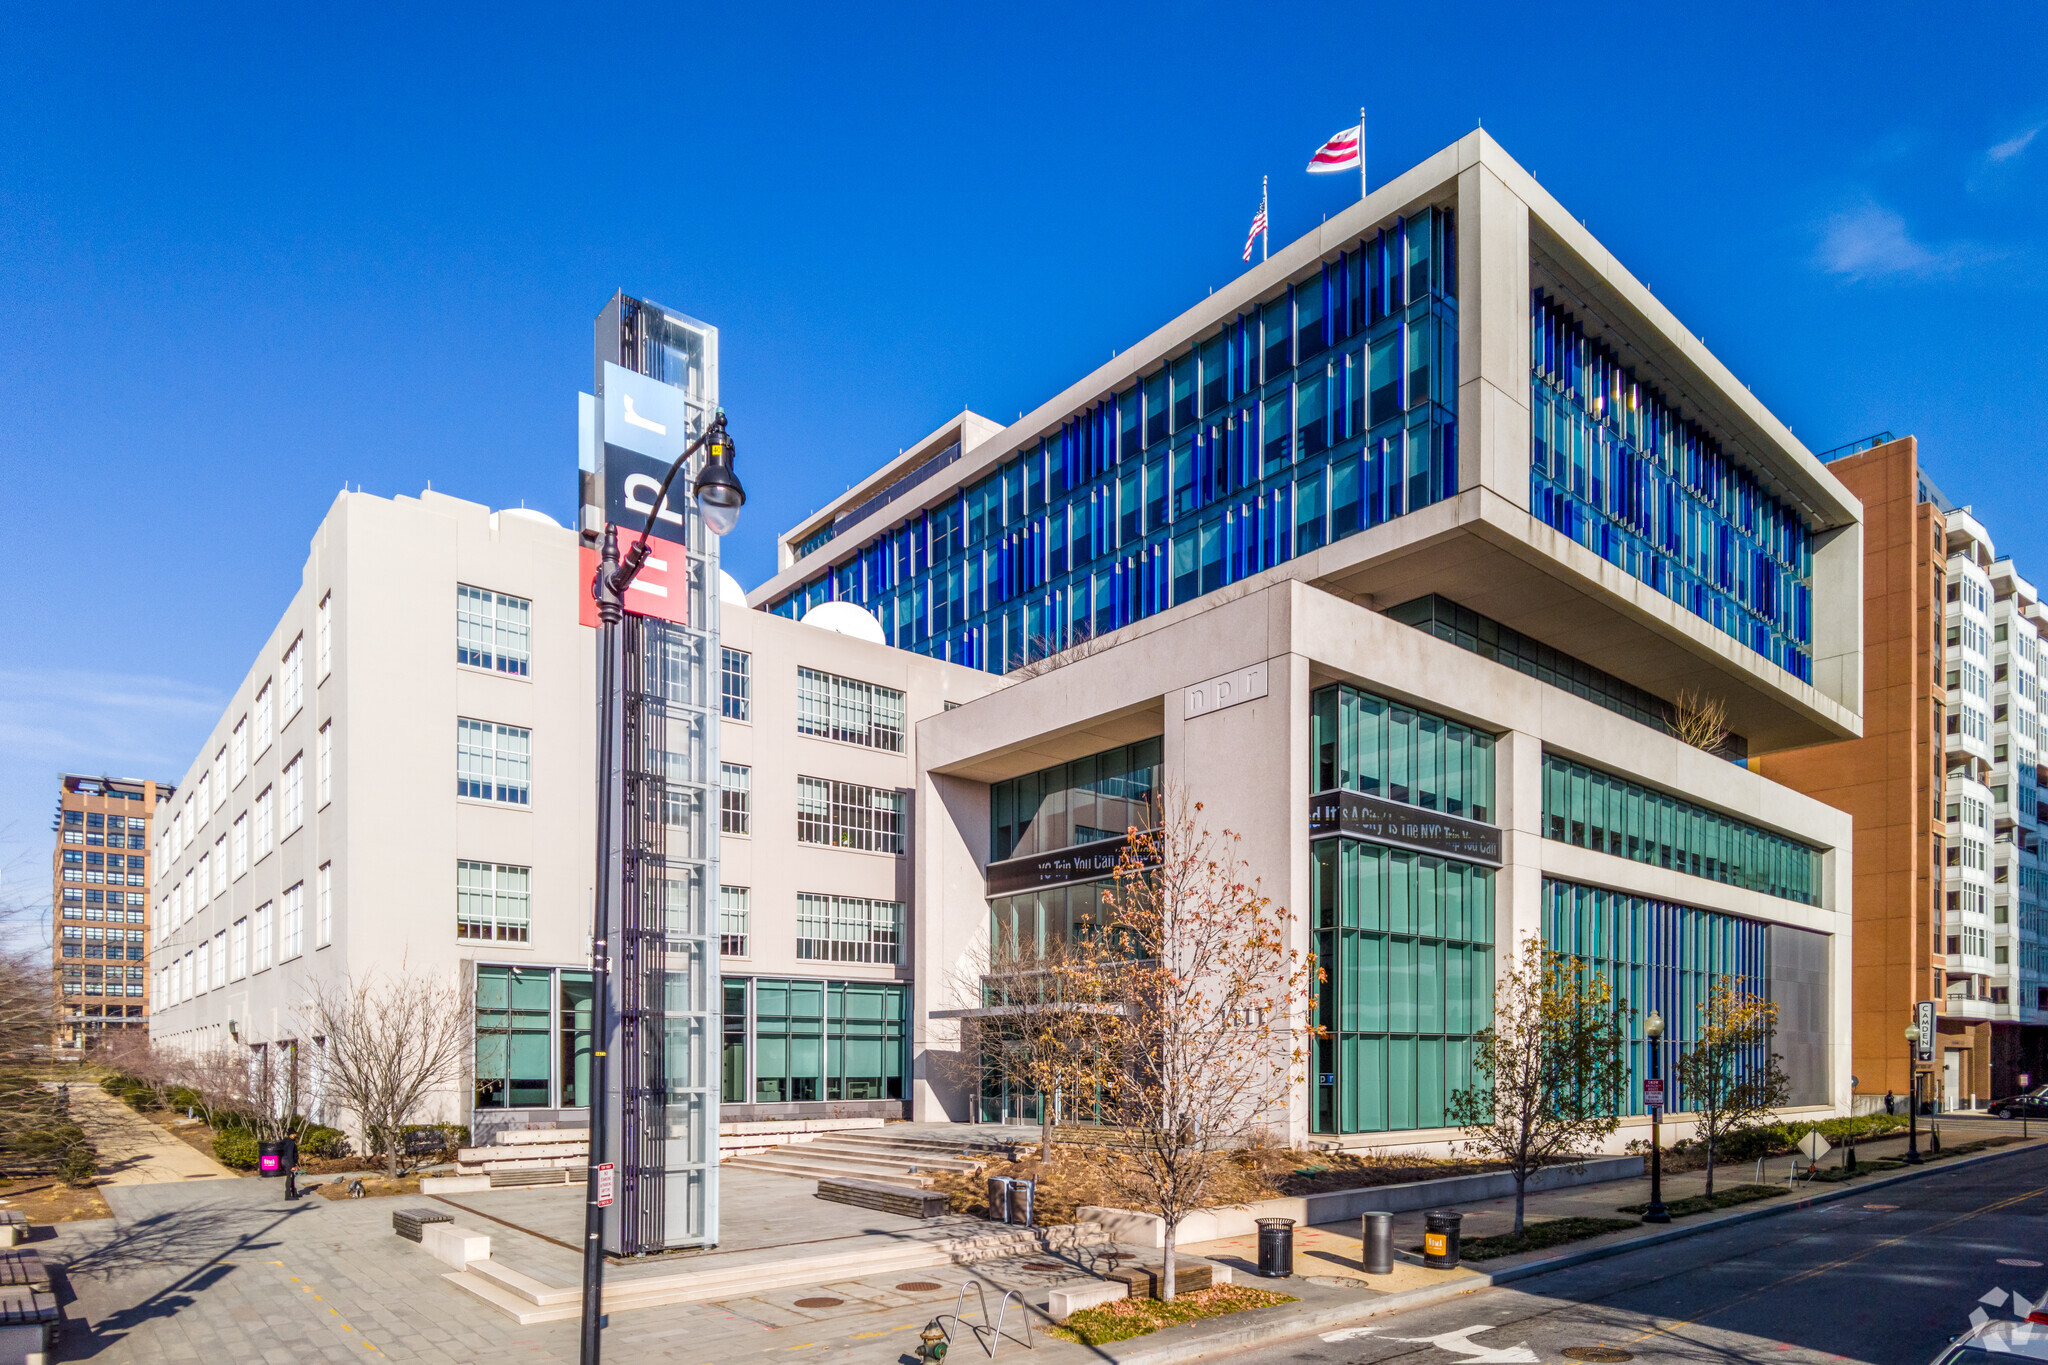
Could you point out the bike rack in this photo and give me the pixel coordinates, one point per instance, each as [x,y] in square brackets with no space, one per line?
[995,1331]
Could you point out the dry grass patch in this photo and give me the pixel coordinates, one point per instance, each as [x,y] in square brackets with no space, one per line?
[374,1186]
[48,1200]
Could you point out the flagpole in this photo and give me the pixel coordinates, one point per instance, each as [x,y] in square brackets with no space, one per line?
[1361,151]
[1265,211]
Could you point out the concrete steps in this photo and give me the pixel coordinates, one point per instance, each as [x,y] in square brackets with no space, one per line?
[867,1156]
[527,1300]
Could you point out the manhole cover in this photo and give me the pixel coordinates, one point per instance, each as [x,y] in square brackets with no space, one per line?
[920,1286]
[819,1303]
[1607,1355]
[1043,1265]
[2020,1261]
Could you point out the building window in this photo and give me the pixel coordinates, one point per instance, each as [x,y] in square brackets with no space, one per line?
[241,830]
[736,684]
[294,671]
[294,795]
[492,901]
[850,711]
[492,630]
[326,763]
[262,719]
[293,926]
[735,917]
[325,931]
[735,798]
[74,940]
[261,929]
[848,815]
[239,939]
[848,929]
[1363,743]
[220,866]
[1102,796]
[533,1038]
[238,746]
[493,762]
[828,1040]
[220,959]
[324,636]
[263,839]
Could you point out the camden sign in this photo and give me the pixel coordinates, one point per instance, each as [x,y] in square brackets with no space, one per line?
[1358,816]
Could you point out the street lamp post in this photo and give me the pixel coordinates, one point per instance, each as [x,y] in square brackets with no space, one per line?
[1913,1095]
[719,497]
[1655,1212]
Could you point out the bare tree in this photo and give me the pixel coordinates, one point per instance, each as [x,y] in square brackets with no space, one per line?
[1209,1008]
[1043,654]
[1699,719]
[1552,1067]
[218,1073]
[27,1005]
[1729,1077]
[134,1054]
[392,1043]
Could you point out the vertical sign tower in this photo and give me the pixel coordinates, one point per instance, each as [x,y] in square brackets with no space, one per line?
[657,387]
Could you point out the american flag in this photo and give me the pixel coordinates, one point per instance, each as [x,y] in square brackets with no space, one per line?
[1340,153]
[1258,226]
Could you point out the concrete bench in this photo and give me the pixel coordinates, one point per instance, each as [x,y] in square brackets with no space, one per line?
[883,1197]
[1188,1277]
[13,1227]
[454,1244]
[1065,1300]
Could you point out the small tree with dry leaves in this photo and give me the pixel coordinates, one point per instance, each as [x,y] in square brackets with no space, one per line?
[1208,1024]
[1548,1072]
[1699,719]
[392,1044]
[1729,1078]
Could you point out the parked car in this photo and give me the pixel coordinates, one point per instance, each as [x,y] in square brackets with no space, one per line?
[2032,1105]
[1998,1343]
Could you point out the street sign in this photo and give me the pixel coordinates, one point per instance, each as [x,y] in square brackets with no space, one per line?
[1653,1093]
[1923,1017]
[604,1184]
[1815,1146]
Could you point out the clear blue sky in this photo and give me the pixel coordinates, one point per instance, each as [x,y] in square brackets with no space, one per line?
[247,256]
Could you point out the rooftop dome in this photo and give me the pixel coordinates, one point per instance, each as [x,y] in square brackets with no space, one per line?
[529,514]
[844,618]
[730,593]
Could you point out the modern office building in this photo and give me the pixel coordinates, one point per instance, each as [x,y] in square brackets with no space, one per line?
[99,879]
[1944,788]
[1399,553]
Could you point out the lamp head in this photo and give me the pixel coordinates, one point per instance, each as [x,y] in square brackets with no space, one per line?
[1653,1025]
[1912,1033]
[717,490]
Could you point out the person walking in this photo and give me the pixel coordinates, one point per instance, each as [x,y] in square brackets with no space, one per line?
[291,1180]
[1890,1103]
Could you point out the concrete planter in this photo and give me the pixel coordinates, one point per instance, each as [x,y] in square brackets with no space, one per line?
[1337,1206]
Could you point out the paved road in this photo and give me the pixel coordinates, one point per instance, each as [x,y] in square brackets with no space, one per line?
[1887,1279]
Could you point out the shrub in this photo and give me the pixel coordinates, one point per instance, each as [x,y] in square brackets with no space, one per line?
[114,1085]
[80,1166]
[235,1148]
[317,1140]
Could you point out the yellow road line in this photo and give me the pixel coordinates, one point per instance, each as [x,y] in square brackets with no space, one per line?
[1811,1271]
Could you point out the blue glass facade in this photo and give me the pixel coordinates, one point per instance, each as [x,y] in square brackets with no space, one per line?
[1328,410]
[1616,467]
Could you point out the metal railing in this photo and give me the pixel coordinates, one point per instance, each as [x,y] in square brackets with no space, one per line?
[1856,447]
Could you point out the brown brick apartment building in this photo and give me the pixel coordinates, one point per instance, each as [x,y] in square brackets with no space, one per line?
[99,899]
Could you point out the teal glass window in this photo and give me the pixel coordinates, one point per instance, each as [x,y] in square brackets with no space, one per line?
[1612,814]
[1366,743]
[1090,799]
[533,1038]
[1407,942]
[828,1040]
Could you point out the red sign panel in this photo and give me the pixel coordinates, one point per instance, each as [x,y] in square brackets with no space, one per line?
[604,1184]
[1653,1094]
[662,588]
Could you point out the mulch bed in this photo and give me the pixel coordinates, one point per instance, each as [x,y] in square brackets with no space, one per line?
[1127,1318]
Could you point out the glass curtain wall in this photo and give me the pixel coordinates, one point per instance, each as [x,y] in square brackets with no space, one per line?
[1610,814]
[1383,748]
[1655,955]
[1329,409]
[532,1038]
[817,1040]
[1102,796]
[1407,940]
[1616,466]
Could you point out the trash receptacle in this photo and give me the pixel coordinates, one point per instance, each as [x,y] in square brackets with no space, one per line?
[1023,1194]
[999,1199]
[1376,1243]
[1440,1239]
[1276,1247]
[270,1157]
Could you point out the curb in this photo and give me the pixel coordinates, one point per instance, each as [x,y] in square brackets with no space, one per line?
[1288,1323]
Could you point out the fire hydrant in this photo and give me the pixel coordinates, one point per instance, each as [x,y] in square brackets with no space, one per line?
[932,1342]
